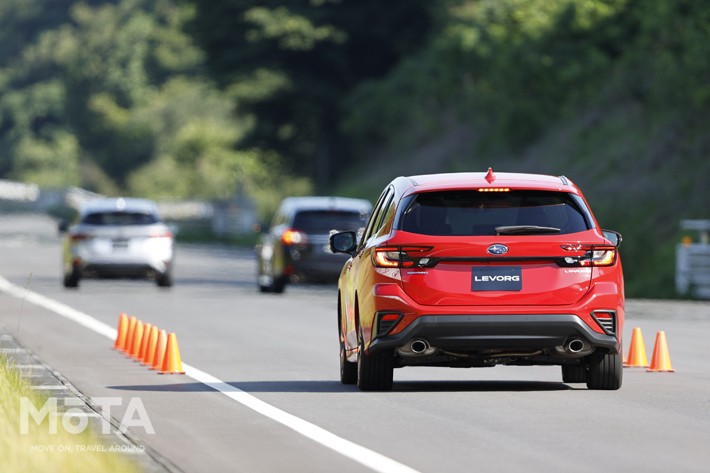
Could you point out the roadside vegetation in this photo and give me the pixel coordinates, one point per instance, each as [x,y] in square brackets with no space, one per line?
[40,450]
[205,98]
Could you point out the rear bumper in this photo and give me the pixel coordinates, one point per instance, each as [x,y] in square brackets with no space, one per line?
[121,270]
[488,328]
[512,332]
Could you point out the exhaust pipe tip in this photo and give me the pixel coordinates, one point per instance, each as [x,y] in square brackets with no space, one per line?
[419,346]
[575,345]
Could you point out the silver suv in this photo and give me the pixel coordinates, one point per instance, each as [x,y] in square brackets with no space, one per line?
[119,237]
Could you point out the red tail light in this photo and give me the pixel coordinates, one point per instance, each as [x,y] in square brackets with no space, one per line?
[599,256]
[293,237]
[593,256]
[165,234]
[398,256]
[79,237]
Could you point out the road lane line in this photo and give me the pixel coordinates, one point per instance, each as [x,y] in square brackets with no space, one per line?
[353,451]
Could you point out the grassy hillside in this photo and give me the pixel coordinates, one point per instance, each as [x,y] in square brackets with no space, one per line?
[613,94]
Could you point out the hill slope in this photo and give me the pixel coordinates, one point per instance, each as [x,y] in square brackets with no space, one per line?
[612,94]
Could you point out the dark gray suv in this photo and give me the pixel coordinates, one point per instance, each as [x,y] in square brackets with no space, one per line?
[296,248]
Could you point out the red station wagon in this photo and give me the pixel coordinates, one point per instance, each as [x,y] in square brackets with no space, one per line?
[476,270]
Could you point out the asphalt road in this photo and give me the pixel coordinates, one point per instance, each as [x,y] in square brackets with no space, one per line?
[282,350]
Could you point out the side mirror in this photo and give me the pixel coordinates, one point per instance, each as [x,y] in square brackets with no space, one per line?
[343,242]
[62,226]
[613,237]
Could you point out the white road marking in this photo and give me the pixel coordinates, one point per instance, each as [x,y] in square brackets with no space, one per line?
[358,453]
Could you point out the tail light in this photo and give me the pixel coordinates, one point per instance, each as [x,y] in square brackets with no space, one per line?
[593,256]
[399,256]
[162,234]
[78,237]
[293,237]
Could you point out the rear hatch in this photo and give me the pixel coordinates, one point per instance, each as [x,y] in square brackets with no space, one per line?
[518,247]
[117,232]
[462,271]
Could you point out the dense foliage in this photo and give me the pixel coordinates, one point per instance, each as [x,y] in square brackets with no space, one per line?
[205,98]
[115,98]
[292,63]
[615,94]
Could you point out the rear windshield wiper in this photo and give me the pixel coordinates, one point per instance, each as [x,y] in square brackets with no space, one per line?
[525,230]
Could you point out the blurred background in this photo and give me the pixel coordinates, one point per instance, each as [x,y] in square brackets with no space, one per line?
[220,108]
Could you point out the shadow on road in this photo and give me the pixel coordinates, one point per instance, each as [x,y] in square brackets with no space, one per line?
[336,387]
[478,386]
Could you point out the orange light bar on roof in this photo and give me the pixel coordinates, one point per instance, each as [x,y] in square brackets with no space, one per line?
[494,189]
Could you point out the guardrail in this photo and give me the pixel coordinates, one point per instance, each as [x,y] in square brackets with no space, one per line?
[232,217]
[693,260]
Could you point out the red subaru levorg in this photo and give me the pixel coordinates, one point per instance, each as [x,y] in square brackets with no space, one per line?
[480,269]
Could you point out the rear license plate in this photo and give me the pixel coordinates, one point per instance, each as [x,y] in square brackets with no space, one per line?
[497,278]
[120,243]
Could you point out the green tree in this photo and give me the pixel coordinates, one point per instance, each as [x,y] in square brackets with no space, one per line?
[290,64]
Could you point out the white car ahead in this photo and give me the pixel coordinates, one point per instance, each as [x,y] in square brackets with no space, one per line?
[119,237]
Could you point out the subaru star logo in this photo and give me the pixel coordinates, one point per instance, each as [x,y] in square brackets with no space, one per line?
[497,249]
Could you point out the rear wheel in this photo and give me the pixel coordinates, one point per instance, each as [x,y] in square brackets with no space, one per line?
[71,280]
[348,369]
[164,280]
[276,286]
[374,371]
[279,285]
[574,373]
[606,372]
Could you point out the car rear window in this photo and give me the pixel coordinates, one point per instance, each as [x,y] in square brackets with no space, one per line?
[323,221]
[473,213]
[119,218]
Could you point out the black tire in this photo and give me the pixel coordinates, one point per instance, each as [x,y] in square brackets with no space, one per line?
[348,369]
[606,373]
[374,371]
[164,280]
[574,373]
[71,280]
[277,286]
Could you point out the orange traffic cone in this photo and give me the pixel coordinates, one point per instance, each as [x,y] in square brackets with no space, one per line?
[121,332]
[160,349]
[137,340]
[637,351]
[152,344]
[661,360]
[172,364]
[144,342]
[129,334]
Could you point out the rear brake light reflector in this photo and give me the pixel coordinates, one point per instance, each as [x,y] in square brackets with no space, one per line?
[386,321]
[293,237]
[606,320]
